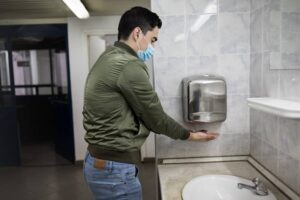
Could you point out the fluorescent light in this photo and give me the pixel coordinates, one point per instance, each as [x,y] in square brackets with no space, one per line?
[77,8]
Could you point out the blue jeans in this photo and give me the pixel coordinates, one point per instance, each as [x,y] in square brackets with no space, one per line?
[116,181]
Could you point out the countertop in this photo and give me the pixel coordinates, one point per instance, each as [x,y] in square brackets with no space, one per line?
[173,177]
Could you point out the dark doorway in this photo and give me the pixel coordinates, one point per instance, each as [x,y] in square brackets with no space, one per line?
[37,81]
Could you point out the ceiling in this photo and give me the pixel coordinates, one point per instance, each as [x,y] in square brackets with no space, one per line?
[36,9]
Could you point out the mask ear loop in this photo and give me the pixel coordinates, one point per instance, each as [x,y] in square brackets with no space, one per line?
[141,32]
[138,43]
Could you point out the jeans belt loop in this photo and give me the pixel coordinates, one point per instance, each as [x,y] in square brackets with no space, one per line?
[110,166]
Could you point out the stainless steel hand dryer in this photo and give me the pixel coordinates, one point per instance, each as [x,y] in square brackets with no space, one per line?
[204,98]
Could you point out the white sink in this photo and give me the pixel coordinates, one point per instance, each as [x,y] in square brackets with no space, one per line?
[280,107]
[220,187]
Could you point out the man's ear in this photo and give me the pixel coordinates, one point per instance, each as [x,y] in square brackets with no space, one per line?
[136,33]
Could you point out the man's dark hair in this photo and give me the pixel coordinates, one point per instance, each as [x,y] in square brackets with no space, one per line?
[137,17]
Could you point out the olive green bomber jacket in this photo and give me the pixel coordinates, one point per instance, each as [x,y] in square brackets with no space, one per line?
[121,107]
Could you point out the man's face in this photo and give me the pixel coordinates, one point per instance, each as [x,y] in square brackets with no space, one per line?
[150,37]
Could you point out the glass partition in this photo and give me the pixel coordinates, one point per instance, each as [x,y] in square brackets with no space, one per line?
[39,65]
[4,68]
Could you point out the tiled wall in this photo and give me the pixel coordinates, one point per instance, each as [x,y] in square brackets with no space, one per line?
[199,37]
[274,33]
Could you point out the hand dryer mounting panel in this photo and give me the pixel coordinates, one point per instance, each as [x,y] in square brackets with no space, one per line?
[204,98]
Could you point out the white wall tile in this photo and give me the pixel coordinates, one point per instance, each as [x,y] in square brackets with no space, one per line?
[202,35]
[275,60]
[287,167]
[256,123]
[171,41]
[201,6]
[256,31]
[237,121]
[234,35]
[255,147]
[255,75]
[232,144]
[256,4]
[168,148]
[270,128]
[202,65]
[290,41]
[290,61]
[173,107]
[269,157]
[290,32]
[290,5]
[235,69]
[273,4]
[290,84]
[168,7]
[271,29]
[234,6]
[169,73]
[270,83]
[289,137]
[264,153]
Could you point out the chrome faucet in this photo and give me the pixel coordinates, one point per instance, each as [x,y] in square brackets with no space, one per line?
[259,187]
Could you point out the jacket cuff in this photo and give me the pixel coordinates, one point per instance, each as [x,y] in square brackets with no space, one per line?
[185,135]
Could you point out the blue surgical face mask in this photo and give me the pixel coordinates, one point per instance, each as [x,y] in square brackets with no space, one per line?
[147,54]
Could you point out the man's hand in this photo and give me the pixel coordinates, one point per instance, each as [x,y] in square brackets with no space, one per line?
[202,136]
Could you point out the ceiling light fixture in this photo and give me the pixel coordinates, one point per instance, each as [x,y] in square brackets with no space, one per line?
[77,8]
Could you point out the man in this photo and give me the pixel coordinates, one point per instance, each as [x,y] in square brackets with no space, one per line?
[121,107]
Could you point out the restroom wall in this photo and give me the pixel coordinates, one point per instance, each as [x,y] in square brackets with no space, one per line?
[78,32]
[275,72]
[200,37]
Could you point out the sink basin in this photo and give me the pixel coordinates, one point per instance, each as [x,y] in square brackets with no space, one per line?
[220,187]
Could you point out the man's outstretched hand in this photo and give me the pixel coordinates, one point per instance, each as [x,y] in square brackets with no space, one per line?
[202,136]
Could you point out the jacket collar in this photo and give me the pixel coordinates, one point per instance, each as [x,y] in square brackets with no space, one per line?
[125,47]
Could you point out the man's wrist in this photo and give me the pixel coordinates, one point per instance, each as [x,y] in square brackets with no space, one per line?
[186,135]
